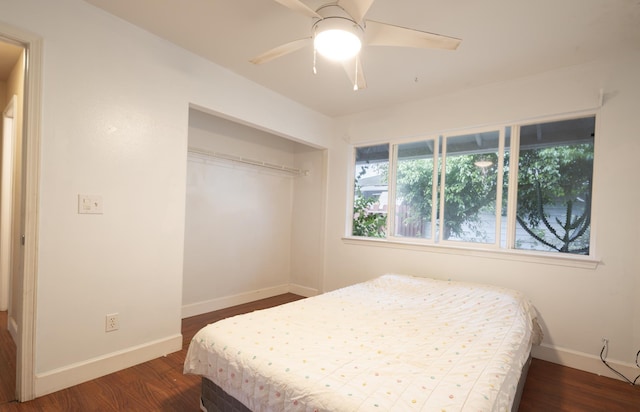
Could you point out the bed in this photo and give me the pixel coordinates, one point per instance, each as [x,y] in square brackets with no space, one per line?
[395,343]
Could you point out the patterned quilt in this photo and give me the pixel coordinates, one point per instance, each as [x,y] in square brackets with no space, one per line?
[395,343]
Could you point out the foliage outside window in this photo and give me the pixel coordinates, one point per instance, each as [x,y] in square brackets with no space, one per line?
[454,189]
[369,205]
[554,186]
[470,187]
[415,182]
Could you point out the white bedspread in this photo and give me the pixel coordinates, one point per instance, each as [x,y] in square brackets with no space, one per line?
[396,343]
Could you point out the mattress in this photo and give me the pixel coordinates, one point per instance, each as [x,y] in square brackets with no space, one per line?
[393,343]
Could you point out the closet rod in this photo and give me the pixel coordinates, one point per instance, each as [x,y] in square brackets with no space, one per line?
[253,162]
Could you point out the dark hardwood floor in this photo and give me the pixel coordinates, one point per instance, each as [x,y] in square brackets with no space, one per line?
[159,385]
[551,387]
[7,362]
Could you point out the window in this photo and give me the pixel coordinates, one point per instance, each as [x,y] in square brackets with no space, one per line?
[470,197]
[371,191]
[416,183]
[554,186]
[455,188]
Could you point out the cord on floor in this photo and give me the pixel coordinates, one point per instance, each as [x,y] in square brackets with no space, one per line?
[632,382]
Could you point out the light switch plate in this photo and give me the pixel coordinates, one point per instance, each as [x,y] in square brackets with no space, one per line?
[90,204]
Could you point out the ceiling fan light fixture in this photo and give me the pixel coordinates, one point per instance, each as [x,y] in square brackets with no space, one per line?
[337,38]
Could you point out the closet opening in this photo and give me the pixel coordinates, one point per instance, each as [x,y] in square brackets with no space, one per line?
[254,222]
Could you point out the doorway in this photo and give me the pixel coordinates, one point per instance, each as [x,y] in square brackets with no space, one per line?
[12,64]
[23,81]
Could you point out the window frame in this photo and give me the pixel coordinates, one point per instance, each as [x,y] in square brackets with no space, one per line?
[499,184]
[393,164]
[492,250]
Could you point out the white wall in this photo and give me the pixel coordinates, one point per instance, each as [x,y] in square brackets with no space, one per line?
[577,306]
[237,235]
[115,123]
[308,229]
[240,219]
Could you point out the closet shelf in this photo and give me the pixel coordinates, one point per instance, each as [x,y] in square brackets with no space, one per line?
[238,159]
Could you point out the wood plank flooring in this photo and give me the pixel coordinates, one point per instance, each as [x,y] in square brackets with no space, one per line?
[551,387]
[159,385]
[7,362]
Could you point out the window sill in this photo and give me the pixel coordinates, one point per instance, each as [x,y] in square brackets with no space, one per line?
[568,260]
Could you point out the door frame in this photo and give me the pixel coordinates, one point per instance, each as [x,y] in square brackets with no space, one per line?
[25,359]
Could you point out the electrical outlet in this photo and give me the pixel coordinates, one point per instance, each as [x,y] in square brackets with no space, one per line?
[111,323]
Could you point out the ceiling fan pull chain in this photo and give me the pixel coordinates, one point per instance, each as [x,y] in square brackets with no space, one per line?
[355,81]
[314,61]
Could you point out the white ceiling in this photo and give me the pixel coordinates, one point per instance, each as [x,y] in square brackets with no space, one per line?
[501,40]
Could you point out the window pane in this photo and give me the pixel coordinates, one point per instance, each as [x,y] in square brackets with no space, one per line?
[414,189]
[554,186]
[370,198]
[470,188]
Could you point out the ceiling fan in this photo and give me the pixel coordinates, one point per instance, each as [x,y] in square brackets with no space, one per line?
[339,30]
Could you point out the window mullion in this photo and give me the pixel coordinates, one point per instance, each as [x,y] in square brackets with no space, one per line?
[443,165]
[512,199]
[499,193]
[391,191]
[434,189]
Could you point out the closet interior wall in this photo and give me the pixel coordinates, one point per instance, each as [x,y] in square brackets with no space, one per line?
[252,230]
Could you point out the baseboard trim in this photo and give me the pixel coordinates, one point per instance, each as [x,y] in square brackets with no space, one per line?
[302,290]
[206,306]
[583,361]
[77,373]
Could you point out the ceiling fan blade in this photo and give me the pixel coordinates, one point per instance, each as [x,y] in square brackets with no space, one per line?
[299,7]
[356,8]
[281,51]
[353,67]
[382,34]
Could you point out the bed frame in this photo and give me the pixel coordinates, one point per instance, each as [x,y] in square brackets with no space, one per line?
[214,399]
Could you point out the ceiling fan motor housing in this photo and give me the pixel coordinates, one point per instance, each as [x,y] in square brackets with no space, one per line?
[336,35]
